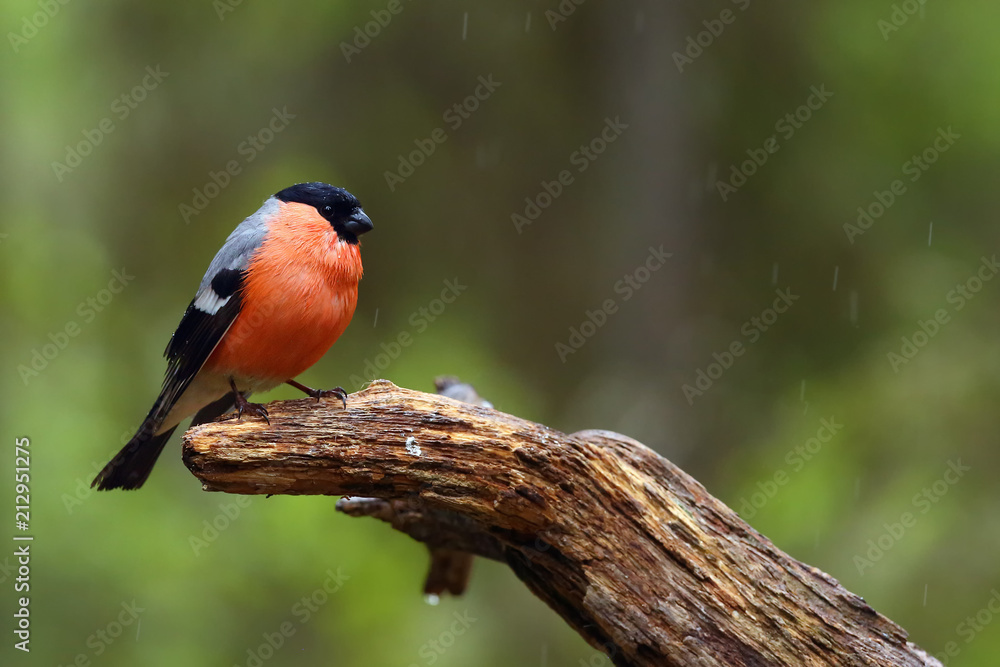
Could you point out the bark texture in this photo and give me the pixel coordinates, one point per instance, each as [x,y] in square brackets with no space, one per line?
[632,552]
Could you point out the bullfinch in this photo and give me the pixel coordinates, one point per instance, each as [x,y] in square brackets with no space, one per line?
[275,298]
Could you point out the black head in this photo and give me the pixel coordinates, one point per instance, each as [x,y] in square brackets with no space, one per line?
[337,205]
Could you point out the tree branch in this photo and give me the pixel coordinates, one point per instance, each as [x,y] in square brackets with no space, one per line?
[632,552]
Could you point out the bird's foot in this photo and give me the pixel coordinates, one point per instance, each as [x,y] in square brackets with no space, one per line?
[255,409]
[330,393]
[243,405]
[321,393]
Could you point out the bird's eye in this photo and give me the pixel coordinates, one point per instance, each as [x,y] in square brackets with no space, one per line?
[327,209]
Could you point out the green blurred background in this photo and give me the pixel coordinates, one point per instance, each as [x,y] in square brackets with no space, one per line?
[360,103]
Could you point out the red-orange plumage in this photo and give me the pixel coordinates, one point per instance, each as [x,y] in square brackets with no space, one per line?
[299,295]
[275,297]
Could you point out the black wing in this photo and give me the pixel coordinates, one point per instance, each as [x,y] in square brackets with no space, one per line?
[196,336]
[199,333]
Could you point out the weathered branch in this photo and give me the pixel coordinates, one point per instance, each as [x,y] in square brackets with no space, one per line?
[631,551]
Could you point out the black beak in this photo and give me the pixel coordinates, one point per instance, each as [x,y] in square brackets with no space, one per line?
[358,223]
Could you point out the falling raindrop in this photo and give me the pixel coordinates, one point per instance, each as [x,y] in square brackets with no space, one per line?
[465,25]
[925,595]
[375,323]
[432,599]
[930,233]
[527,23]
[774,274]
[854,307]
[836,272]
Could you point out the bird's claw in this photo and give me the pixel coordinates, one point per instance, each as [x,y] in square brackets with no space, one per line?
[254,409]
[330,393]
[320,393]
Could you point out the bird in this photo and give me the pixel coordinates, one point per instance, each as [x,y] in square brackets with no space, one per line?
[277,295]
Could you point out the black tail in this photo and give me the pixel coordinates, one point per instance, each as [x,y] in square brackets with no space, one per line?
[130,467]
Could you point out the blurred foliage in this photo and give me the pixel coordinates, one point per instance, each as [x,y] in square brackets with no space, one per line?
[227,66]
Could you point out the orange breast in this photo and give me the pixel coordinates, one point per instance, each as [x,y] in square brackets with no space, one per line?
[299,295]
